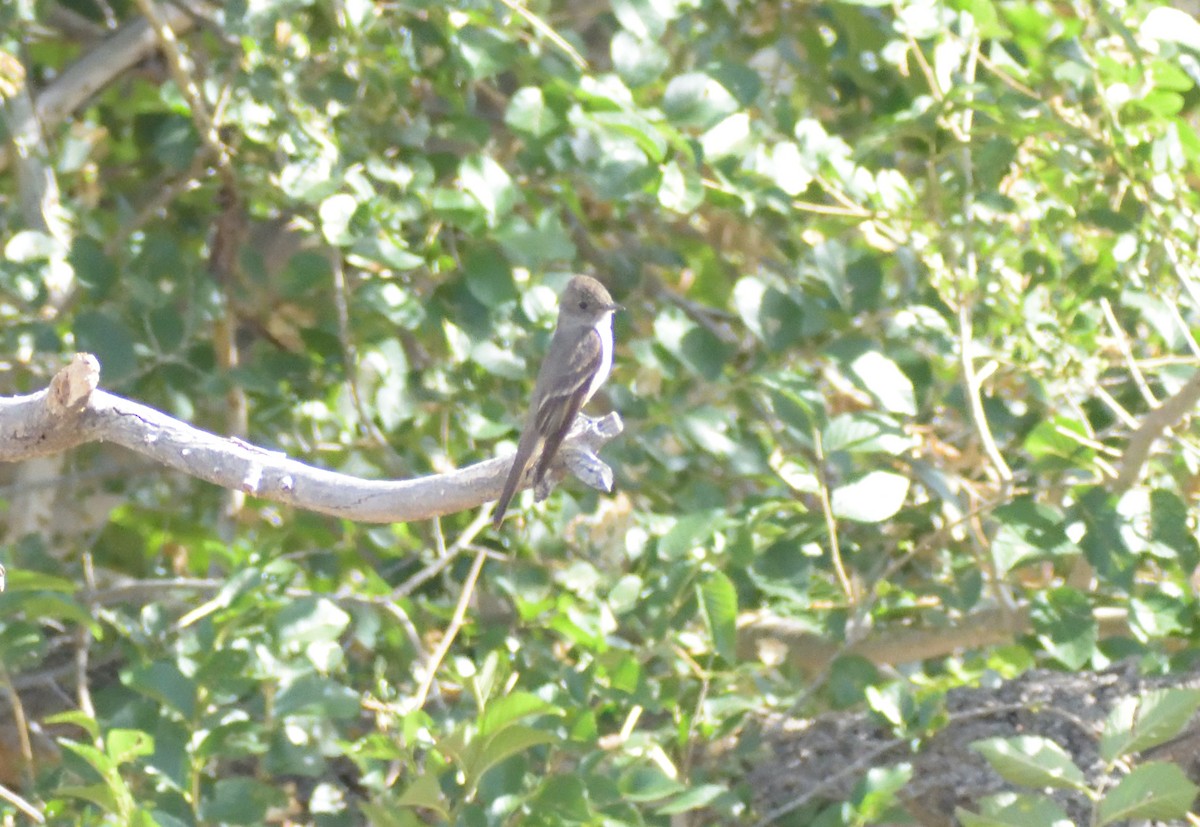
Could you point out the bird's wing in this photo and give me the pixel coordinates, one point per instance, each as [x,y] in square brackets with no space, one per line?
[559,393]
[563,394]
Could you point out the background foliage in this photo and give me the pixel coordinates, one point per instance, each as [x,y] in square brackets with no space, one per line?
[902,279]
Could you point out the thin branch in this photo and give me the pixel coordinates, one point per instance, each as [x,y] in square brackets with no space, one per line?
[1153,425]
[848,771]
[83,642]
[546,31]
[972,381]
[181,72]
[1127,353]
[341,307]
[21,804]
[432,570]
[835,549]
[811,652]
[78,83]
[460,611]
[21,723]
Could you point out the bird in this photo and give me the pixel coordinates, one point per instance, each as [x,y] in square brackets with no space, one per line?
[577,362]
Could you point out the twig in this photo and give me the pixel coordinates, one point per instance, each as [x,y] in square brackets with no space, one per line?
[21,722]
[549,33]
[835,549]
[1116,408]
[926,70]
[481,521]
[178,65]
[965,331]
[350,351]
[83,642]
[21,804]
[825,783]
[163,194]
[460,611]
[1127,353]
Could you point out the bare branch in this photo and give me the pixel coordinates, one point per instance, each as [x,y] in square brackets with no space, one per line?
[132,43]
[762,635]
[1167,415]
[73,412]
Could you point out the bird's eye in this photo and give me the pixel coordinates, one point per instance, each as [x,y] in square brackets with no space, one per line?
[583,305]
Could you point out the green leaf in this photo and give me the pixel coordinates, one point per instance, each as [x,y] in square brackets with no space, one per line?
[1031,761]
[310,619]
[719,605]
[742,81]
[785,167]
[638,61]
[425,792]
[1052,444]
[697,100]
[770,314]
[490,185]
[1158,616]
[94,268]
[387,250]
[566,797]
[98,794]
[487,751]
[535,246]
[1168,25]
[487,52]
[730,137]
[337,213]
[102,334]
[1137,723]
[239,801]
[163,681]
[1170,534]
[689,532]
[644,133]
[872,498]
[75,717]
[124,745]
[313,694]
[1028,532]
[527,113]
[511,708]
[695,347]
[694,798]
[644,19]
[866,432]
[1063,621]
[880,377]
[1010,810]
[1155,790]
[681,190]
[877,792]
[25,580]
[646,782]
[26,246]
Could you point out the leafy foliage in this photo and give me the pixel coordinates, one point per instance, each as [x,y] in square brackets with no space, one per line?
[907,285]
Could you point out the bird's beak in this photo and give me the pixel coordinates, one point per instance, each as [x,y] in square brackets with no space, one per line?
[613,308]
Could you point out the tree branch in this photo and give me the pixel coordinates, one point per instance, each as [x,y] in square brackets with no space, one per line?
[762,635]
[1166,415]
[73,411]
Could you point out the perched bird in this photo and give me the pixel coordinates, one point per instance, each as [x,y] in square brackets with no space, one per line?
[576,364]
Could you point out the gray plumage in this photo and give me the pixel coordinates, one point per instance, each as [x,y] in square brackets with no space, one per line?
[576,363]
